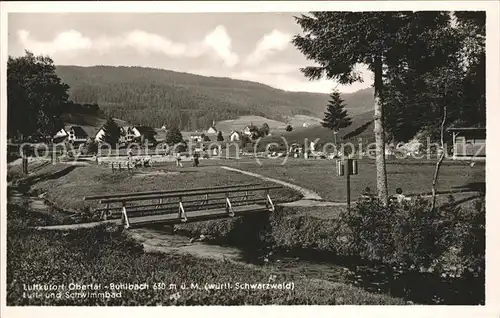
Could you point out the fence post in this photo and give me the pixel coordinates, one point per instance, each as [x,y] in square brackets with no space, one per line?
[159,204]
[269,202]
[106,212]
[124,215]
[229,208]
[182,212]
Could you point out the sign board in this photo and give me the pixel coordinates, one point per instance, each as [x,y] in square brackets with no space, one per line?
[340,168]
[353,166]
[349,166]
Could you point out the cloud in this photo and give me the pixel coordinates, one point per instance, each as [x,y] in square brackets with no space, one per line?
[216,43]
[66,41]
[220,42]
[268,45]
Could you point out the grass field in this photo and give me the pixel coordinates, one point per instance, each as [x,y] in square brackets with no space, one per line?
[320,176]
[67,185]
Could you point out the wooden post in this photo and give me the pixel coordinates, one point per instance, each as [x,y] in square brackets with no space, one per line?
[106,212]
[347,172]
[229,208]
[271,204]
[25,165]
[160,204]
[182,212]
[125,217]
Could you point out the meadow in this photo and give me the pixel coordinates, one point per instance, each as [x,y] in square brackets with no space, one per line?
[414,177]
[66,185]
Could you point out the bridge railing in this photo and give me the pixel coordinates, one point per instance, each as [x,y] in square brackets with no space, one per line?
[181,201]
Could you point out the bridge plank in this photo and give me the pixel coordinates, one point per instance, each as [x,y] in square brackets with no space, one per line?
[195,216]
[146,193]
[187,194]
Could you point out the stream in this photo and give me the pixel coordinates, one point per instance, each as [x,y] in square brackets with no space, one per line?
[414,287]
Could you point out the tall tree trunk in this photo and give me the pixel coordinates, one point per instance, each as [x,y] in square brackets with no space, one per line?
[378,129]
[439,162]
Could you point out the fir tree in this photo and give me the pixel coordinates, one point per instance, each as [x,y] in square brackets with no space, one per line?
[173,136]
[219,136]
[112,132]
[336,116]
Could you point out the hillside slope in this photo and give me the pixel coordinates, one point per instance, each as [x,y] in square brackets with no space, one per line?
[156,97]
[360,129]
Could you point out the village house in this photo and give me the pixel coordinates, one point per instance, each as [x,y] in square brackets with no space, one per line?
[130,134]
[60,136]
[247,131]
[193,136]
[212,130]
[71,134]
[99,135]
[76,134]
[468,142]
[234,136]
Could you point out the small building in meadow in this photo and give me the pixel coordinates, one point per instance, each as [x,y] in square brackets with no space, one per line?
[234,136]
[468,142]
[212,130]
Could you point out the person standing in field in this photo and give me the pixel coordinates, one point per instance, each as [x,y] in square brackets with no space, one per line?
[196,160]
[178,160]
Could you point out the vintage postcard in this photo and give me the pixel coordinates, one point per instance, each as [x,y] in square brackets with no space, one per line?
[310,155]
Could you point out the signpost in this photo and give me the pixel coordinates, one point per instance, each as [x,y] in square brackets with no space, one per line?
[347,167]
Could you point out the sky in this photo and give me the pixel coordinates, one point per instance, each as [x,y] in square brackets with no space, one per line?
[247,46]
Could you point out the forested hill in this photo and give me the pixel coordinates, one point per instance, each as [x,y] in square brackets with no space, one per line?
[156,97]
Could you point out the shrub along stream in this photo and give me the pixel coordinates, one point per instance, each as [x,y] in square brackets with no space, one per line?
[407,250]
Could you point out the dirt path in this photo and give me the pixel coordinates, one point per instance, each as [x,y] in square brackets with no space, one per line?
[68,227]
[310,199]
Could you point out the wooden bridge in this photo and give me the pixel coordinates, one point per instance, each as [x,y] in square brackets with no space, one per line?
[184,205]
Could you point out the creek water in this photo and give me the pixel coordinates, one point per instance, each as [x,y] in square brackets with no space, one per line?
[414,287]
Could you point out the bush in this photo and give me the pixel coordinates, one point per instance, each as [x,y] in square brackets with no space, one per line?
[447,241]
[90,147]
